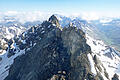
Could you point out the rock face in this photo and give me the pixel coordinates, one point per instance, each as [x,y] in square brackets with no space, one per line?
[75,42]
[57,55]
[115,77]
[53,19]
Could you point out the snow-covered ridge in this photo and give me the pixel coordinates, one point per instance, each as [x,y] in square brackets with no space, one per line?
[6,61]
[109,57]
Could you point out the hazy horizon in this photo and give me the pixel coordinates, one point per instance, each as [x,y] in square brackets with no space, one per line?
[91,8]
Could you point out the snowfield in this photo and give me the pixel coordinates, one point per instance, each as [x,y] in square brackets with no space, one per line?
[6,62]
[107,55]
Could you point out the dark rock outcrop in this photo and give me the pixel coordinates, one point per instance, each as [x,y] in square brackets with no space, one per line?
[57,55]
[0,58]
[115,77]
[74,40]
[100,66]
[53,19]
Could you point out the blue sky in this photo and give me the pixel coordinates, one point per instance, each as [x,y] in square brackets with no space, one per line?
[67,6]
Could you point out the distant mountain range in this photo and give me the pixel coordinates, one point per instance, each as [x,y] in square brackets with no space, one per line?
[110,28]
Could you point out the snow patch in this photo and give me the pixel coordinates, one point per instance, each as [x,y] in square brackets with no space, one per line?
[92,64]
[6,62]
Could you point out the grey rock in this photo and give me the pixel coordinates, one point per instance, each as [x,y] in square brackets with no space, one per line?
[58,55]
[115,77]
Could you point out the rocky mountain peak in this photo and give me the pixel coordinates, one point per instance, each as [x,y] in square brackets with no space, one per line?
[59,54]
[49,53]
[53,19]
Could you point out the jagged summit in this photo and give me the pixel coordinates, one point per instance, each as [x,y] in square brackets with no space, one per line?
[53,19]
